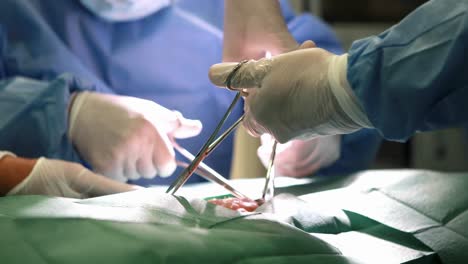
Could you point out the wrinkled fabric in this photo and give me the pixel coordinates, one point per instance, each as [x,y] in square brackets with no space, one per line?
[426,206]
[402,215]
[146,227]
[34,120]
[412,77]
[127,10]
[42,39]
[392,216]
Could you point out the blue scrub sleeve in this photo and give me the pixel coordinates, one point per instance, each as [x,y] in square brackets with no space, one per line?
[307,27]
[34,116]
[413,77]
[33,97]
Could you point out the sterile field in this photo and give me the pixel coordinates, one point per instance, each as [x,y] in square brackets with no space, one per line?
[394,216]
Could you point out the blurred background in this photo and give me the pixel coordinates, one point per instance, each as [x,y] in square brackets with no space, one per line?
[444,150]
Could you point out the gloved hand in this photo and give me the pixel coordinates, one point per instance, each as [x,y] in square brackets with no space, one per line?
[67,179]
[303,93]
[299,158]
[126,137]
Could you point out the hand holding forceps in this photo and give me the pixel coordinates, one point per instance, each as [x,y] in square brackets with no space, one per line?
[213,142]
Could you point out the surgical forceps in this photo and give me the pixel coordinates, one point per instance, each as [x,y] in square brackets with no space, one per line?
[269,188]
[212,141]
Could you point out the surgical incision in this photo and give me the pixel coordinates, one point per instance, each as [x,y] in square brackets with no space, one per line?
[238,204]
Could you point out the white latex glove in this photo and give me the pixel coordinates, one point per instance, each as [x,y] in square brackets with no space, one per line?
[67,179]
[126,137]
[303,93]
[299,158]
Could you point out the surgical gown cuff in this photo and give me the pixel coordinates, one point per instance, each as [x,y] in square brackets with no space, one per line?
[341,89]
[75,108]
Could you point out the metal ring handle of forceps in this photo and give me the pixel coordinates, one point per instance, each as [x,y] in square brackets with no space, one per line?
[211,143]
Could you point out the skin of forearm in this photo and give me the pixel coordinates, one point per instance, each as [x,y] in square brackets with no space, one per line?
[252,27]
[12,171]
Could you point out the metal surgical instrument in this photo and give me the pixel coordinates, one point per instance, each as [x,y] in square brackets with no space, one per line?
[212,141]
[206,172]
[269,188]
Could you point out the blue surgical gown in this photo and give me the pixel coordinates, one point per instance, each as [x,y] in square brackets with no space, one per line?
[50,49]
[414,76]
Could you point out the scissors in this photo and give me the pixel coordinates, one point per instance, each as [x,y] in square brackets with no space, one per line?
[212,143]
[205,171]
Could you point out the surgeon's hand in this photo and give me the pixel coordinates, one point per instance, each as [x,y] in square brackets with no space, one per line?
[251,28]
[300,158]
[299,94]
[67,179]
[126,137]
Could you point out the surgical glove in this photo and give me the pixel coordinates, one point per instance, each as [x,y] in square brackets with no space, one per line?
[126,137]
[67,179]
[299,158]
[299,94]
